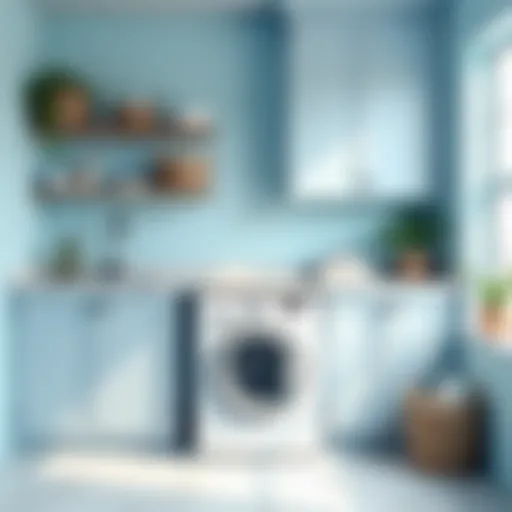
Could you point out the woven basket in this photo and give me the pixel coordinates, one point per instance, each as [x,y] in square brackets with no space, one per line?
[442,437]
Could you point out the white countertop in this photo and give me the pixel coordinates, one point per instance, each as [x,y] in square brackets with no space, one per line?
[171,281]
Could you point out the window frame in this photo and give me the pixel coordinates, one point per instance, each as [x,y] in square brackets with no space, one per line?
[481,182]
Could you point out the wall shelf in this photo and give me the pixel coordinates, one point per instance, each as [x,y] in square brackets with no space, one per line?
[93,198]
[101,134]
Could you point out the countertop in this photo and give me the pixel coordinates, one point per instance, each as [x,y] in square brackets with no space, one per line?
[183,281]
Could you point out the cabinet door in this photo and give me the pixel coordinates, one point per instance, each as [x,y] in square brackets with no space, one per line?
[380,345]
[352,376]
[416,332]
[394,127]
[318,110]
[50,371]
[132,386]
[416,326]
[359,109]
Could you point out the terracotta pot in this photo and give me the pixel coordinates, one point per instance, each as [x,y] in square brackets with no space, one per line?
[182,175]
[492,321]
[165,171]
[72,110]
[194,176]
[415,265]
[137,117]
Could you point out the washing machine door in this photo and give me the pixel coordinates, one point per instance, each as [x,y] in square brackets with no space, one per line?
[254,373]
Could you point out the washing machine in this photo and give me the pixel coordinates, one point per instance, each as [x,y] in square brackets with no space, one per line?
[258,375]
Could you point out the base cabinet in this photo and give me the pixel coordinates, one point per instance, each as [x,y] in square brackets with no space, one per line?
[380,344]
[95,369]
[351,374]
[131,379]
[50,369]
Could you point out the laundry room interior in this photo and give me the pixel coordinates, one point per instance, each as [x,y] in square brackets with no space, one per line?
[255,255]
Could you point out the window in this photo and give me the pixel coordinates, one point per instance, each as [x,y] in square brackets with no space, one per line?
[486,180]
[502,161]
[504,111]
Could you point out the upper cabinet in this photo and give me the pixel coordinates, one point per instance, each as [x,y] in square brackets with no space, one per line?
[352,5]
[179,6]
[359,102]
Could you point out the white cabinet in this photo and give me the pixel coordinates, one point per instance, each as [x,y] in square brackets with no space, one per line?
[318,111]
[351,373]
[95,368]
[359,103]
[395,114]
[416,331]
[381,342]
[132,387]
[50,367]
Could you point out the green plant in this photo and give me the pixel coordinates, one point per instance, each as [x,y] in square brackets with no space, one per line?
[67,259]
[43,90]
[413,230]
[494,292]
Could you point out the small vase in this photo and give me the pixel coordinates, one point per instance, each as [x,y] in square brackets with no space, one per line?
[72,111]
[492,322]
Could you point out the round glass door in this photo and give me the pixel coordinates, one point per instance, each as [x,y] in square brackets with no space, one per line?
[255,375]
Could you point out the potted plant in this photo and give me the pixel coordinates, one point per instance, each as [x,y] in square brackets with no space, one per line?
[412,238]
[67,261]
[494,295]
[58,100]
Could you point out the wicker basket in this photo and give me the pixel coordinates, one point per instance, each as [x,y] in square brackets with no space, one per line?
[443,437]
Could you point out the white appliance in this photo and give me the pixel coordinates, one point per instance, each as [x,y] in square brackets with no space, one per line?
[258,388]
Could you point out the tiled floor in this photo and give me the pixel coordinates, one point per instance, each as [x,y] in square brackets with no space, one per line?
[72,483]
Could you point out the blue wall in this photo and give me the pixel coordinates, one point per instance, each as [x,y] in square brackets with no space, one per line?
[234,65]
[471,16]
[16,35]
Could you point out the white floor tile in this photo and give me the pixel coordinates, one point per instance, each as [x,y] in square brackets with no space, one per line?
[72,483]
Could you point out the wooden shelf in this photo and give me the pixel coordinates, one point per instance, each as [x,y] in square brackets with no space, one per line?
[160,133]
[146,197]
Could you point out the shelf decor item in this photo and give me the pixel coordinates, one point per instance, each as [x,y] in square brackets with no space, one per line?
[412,237]
[494,297]
[59,101]
[195,120]
[181,175]
[137,117]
